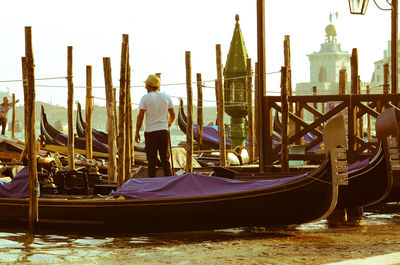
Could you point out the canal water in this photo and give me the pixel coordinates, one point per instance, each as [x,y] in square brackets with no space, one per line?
[177,135]
[377,236]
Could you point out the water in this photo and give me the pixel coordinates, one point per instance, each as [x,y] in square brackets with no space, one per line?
[311,243]
[177,135]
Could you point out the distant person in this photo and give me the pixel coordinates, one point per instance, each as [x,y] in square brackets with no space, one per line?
[4,108]
[156,106]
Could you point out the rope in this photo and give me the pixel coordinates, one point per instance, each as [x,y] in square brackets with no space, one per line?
[24,80]
[171,84]
[320,180]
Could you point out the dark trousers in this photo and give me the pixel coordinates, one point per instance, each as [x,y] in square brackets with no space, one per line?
[3,123]
[157,142]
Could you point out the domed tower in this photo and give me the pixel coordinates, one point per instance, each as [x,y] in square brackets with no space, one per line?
[325,65]
[235,92]
[330,32]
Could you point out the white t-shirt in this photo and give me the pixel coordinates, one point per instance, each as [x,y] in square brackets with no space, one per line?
[156,105]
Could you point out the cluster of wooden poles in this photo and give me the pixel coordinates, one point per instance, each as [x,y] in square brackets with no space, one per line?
[121,131]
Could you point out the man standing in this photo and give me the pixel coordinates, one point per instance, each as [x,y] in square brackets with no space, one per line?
[4,107]
[157,106]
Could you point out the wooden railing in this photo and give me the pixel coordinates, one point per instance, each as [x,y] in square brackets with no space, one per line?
[357,106]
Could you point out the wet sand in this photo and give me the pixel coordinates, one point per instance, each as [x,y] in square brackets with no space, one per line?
[312,243]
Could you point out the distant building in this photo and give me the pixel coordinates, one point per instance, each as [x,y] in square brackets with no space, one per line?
[376,84]
[325,66]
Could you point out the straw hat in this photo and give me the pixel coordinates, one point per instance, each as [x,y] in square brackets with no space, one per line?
[153,81]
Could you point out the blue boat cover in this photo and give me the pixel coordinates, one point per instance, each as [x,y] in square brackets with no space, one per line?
[18,187]
[357,165]
[192,184]
[210,134]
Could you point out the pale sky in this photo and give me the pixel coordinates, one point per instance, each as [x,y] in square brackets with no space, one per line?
[161,31]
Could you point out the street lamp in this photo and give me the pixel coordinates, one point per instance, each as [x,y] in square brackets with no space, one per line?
[359,7]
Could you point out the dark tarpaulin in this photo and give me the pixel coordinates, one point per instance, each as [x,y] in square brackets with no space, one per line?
[192,184]
[18,187]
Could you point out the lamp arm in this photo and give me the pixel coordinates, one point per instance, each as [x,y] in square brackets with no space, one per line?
[384,9]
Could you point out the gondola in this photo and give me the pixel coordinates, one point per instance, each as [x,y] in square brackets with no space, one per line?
[10,149]
[368,181]
[388,125]
[56,141]
[211,142]
[217,203]
[81,127]
[51,136]
[210,133]
[100,136]
[367,184]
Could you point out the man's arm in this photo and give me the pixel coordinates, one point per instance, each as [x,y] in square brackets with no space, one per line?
[171,116]
[139,122]
[10,105]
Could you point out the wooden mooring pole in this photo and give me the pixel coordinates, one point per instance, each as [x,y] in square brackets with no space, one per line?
[257,100]
[286,51]
[360,120]
[352,113]
[128,114]
[70,110]
[261,82]
[296,108]
[250,110]
[220,109]
[121,116]
[89,111]
[314,92]
[368,118]
[189,128]
[342,82]
[114,91]
[200,121]
[130,120]
[386,79]
[13,117]
[112,145]
[129,155]
[30,128]
[25,87]
[285,120]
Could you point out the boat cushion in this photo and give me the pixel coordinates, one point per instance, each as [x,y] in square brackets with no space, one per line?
[192,184]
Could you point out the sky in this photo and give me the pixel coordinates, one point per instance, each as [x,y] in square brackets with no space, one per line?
[160,32]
